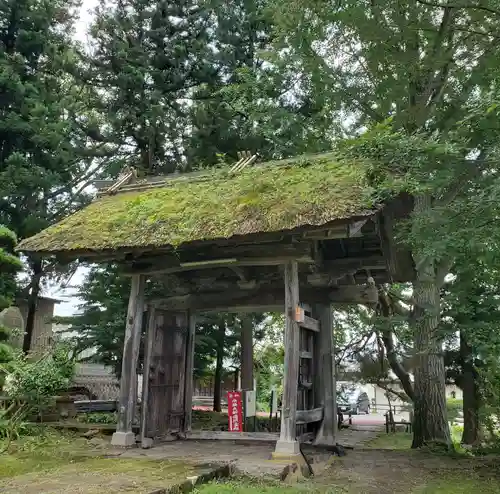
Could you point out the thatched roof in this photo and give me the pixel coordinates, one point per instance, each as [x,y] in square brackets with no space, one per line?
[272,197]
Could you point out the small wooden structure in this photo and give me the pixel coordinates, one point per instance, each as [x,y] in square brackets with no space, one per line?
[294,236]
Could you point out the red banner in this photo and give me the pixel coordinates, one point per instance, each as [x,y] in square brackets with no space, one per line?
[235,411]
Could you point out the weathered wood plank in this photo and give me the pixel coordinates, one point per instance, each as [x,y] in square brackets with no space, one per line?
[175,369]
[128,382]
[271,437]
[306,322]
[249,301]
[188,392]
[148,351]
[309,416]
[288,443]
[308,355]
[326,379]
[306,437]
[271,254]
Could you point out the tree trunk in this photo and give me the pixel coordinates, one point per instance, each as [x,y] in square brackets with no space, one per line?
[32,304]
[430,417]
[218,368]
[471,431]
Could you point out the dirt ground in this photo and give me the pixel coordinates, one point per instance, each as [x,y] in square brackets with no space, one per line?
[380,472]
[59,464]
[98,475]
[403,472]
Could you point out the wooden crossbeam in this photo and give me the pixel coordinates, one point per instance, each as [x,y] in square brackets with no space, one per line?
[265,300]
[309,416]
[306,321]
[271,254]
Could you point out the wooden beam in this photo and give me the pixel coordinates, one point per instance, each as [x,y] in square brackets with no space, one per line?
[265,300]
[326,382]
[308,355]
[147,442]
[334,270]
[270,254]
[287,443]
[309,416]
[221,263]
[305,321]
[268,437]
[188,383]
[128,381]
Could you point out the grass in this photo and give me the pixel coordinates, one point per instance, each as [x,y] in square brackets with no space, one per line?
[458,484]
[307,190]
[398,441]
[59,463]
[252,486]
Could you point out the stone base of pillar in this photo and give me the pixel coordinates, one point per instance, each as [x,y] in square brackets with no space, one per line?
[123,439]
[286,449]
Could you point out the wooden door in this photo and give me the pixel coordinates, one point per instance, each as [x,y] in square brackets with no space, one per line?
[164,375]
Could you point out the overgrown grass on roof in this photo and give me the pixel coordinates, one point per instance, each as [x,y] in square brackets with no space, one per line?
[306,191]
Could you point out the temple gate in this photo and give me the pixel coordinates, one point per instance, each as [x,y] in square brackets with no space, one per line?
[295,237]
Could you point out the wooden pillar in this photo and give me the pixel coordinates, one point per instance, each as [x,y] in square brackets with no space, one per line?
[287,444]
[246,353]
[128,382]
[146,441]
[188,385]
[327,392]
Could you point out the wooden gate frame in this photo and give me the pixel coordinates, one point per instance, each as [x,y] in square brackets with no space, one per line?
[184,323]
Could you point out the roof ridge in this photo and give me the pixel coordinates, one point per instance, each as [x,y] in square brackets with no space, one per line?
[197,176]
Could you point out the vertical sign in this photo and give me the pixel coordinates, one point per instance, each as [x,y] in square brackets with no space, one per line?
[250,403]
[235,411]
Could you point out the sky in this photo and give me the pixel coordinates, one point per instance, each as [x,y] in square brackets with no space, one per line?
[68,301]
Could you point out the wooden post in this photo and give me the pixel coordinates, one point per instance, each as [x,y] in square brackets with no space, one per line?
[147,442]
[287,444]
[326,377]
[188,384]
[128,382]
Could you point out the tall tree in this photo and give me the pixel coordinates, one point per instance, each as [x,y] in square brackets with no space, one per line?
[45,156]
[146,60]
[419,63]
[252,103]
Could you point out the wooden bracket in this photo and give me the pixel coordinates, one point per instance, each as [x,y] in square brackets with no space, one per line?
[304,321]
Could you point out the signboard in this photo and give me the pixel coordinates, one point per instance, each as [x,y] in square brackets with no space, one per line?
[235,411]
[250,400]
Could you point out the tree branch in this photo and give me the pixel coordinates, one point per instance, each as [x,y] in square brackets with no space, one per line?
[400,395]
[459,6]
[386,309]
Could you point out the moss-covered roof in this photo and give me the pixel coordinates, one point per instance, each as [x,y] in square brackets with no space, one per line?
[277,196]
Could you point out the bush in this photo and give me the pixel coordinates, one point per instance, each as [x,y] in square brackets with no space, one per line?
[41,379]
[455,407]
[98,418]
